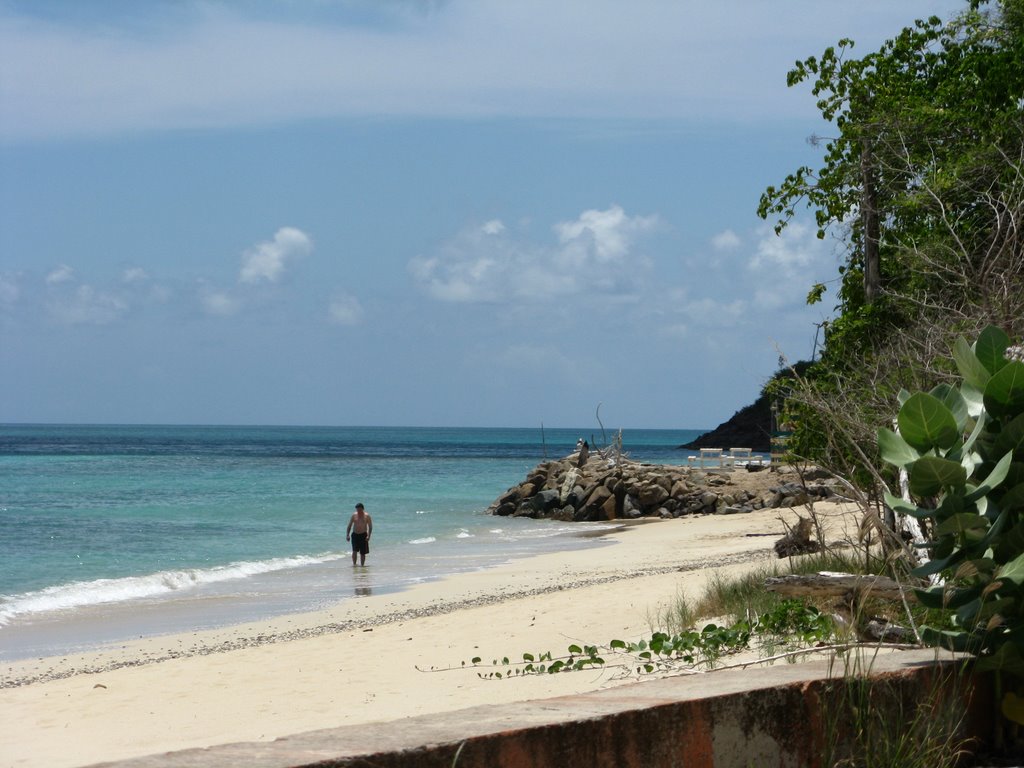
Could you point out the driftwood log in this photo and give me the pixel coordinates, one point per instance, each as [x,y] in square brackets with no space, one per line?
[797,540]
[845,585]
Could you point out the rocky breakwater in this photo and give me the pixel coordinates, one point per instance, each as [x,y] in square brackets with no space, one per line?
[598,489]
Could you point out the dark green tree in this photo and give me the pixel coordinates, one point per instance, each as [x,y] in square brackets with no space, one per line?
[924,180]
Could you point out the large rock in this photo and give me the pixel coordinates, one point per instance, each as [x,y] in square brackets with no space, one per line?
[600,489]
[597,505]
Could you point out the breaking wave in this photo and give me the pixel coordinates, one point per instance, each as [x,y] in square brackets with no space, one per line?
[82,594]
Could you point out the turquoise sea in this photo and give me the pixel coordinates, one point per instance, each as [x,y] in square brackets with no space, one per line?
[112,532]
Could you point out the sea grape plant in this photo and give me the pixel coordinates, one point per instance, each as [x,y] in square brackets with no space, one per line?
[963,450]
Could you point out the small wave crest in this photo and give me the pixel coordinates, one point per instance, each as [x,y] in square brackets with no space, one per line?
[82,594]
[424,540]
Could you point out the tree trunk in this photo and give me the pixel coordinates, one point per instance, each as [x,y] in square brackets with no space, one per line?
[869,216]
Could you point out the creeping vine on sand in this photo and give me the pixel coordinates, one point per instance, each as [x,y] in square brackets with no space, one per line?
[793,619]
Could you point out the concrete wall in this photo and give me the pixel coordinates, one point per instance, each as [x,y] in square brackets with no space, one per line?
[728,719]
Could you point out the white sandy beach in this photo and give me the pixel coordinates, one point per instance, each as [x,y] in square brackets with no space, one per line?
[364,660]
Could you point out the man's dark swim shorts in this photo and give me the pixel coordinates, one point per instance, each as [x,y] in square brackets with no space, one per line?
[361,543]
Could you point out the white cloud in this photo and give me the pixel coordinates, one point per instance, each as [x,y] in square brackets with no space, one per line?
[62,274]
[600,236]
[726,241]
[593,254]
[777,275]
[87,306]
[220,303]
[215,64]
[71,303]
[471,266]
[134,275]
[345,310]
[10,291]
[785,266]
[790,252]
[676,331]
[707,312]
[266,262]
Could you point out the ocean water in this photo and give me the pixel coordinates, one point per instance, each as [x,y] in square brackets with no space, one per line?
[112,532]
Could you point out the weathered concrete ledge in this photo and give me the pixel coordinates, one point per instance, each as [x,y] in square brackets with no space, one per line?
[727,719]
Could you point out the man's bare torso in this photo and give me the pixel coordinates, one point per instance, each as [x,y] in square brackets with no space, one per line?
[360,522]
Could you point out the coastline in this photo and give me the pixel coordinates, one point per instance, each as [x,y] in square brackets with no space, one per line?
[363,660]
[325,581]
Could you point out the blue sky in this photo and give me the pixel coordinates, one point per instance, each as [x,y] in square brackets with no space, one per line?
[436,213]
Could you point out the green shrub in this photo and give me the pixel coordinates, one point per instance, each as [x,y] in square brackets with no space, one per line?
[963,450]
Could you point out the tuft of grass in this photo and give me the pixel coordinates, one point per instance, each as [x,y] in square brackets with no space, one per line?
[875,722]
[846,560]
[737,598]
[741,597]
[677,618]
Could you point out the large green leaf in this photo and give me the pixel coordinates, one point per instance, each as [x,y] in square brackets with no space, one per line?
[994,479]
[1012,707]
[974,399]
[1016,474]
[960,524]
[967,614]
[991,347]
[1007,659]
[903,507]
[959,641]
[1004,394]
[894,449]
[926,423]
[971,368]
[952,504]
[1011,437]
[985,507]
[1002,526]
[981,421]
[1004,606]
[1013,571]
[900,505]
[930,475]
[950,397]
[938,566]
[1013,499]
[941,597]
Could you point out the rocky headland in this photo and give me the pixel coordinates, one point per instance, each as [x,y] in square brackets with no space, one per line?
[751,426]
[598,487]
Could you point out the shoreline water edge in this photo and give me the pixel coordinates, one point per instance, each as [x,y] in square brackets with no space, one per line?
[381,658]
[360,648]
[114,533]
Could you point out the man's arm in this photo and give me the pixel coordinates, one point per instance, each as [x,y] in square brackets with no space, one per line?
[348,528]
[369,527]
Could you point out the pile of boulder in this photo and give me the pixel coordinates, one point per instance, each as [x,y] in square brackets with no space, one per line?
[590,487]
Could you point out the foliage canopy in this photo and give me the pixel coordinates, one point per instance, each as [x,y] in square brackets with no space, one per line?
[924,183]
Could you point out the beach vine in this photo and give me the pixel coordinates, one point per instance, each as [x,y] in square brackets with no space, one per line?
[792,623]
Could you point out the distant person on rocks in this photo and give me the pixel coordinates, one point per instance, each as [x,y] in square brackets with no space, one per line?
[360,526]
[584,448]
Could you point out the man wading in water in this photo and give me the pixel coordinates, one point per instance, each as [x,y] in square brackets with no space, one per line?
[360,526]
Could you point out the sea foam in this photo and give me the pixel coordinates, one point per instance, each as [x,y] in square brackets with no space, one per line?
[82,594]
